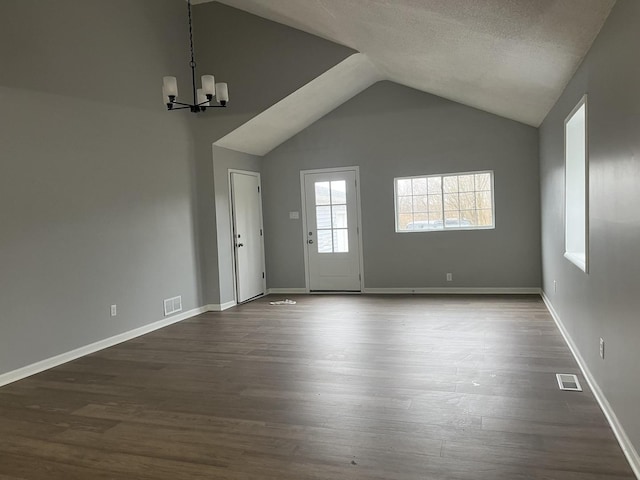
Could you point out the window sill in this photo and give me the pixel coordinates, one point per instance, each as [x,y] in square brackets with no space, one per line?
[578,259]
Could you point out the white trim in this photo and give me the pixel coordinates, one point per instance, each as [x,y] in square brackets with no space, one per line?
[627,447]
[454,291]
[290,291]
[356,169]
[417,290]
[48,363]
[221,307]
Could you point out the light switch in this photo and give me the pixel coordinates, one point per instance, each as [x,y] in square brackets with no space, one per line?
[294,215]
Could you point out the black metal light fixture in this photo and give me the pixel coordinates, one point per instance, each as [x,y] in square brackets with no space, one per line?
[202,97]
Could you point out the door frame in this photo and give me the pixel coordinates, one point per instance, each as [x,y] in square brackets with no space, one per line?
[232,230]
[355,169]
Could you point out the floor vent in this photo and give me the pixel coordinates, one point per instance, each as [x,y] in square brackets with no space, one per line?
[568,381]
[172,305]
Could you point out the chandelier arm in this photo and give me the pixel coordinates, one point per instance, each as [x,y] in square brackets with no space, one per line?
[181,103]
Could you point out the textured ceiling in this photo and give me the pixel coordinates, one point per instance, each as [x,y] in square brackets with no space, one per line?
[509,57]
[297,111]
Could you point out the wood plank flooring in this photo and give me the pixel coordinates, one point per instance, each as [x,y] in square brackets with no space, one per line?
[334,387]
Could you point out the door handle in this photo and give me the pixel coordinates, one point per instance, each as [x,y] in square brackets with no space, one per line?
[310,242]
[240,245]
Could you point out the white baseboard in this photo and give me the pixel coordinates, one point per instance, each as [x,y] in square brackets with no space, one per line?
[419,290]
[221,307]
[285,291]
[48,363]
[627,447]
[454,291]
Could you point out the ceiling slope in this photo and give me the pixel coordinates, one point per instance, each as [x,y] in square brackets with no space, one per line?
[508,57]
[303,107]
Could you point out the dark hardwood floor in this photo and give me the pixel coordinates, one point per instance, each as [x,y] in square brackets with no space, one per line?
[335,387]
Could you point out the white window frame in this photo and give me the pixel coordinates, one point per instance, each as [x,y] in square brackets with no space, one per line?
[578,258]
[445,228]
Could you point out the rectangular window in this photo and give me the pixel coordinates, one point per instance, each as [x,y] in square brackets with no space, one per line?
[445,202]
[576,185]
[331,217]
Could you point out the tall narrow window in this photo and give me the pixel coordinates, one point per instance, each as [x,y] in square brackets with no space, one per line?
[576,186]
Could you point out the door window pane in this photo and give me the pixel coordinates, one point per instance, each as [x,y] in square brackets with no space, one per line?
[331,216]
[323,217]
[339,216]
[338,192]
[323,196]
[340,241]
[325,241]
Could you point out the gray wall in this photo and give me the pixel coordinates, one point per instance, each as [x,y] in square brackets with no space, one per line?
[223,160]
[263,62]
[390,131]
[605,302]
[96,186]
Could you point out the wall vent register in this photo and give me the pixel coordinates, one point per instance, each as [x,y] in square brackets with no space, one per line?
[568,381]
[172,305]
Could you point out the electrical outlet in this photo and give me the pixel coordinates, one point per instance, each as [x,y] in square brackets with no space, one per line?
[555,287]
[114,310]
[449,277]
[602,348]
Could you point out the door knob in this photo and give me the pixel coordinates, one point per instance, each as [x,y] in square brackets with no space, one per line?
[310,242]
[240,245]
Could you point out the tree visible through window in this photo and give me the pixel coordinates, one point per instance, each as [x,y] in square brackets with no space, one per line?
[445,202]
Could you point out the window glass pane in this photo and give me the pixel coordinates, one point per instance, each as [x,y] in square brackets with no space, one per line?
[419,186]
[451,202]
[465,183]
[420,222]
[467,201]
[340,241]
[485,218]
[404,187]
[322,193]
[435,185]
[325,241]
[339,216]
[483,200]
[436,217]
[435,203]
[450,184]
[323,217]
[483,181]
[421,217]
[451,219]
[339,192]
[404,204]
[420,204]
[404,220]
[468,218]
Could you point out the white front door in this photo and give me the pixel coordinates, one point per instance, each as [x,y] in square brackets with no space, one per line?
[332,234]
[246,209]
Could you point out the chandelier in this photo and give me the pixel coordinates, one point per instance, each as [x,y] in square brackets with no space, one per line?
[203,98]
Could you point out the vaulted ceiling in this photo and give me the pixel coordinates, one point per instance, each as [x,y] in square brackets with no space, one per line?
[508,57]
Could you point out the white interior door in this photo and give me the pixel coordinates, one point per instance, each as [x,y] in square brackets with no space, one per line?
[246,208]
[332,233]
